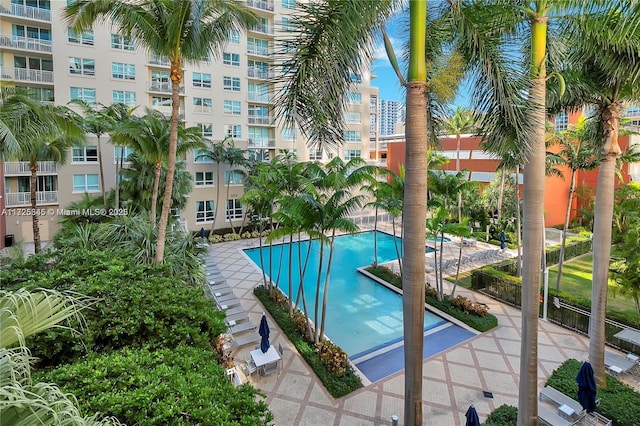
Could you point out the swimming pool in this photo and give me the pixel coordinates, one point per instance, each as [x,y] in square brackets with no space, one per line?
[361,314]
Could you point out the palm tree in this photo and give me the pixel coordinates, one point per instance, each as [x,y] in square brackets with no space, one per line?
[461,122]
[577,155]
[149,136]
[180,30]
[9,109]
[217,152]
[233,157]
[23,314]
[44,133]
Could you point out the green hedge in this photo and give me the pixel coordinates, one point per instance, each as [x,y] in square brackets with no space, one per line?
[575,246]
[337,386]
[183,386]
[484,323]
[504,415]
[618,402]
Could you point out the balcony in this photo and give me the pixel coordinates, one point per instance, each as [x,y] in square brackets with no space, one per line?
[264,120]
[262,29]
[15,199]
[26,43]
[261,143]
[260,4]
[260,73]
[258,51]
[29,12]
[21,168]
[162,61]
[166,111]
[163,87]
[258,97]
[24,74]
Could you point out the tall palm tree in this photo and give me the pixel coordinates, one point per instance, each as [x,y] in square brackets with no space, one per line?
[149,136]
[216,152]
[45,133]
[462,121]
[8,111]
[578,154]
[233,157]
[603,68]
[181,30]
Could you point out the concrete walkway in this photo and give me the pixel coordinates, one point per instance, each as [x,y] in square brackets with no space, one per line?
[453,379]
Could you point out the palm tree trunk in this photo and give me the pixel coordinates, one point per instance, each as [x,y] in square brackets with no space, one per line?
[415,213]
[501,193]
[217,205]
[35,221]
[154,193]
[457,171]
[290,273]
[395,244]
[233,230]
[325,296]
[518,225]
[534,179]
[603,217]
[176,78]
[455,283]
[441,292]
[375,238]
[118,168]
[572,186]
[317,299]
[100,165]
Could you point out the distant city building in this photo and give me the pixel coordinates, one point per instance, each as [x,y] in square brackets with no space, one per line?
[389,114]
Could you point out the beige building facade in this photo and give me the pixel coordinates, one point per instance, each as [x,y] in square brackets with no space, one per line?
[232,95]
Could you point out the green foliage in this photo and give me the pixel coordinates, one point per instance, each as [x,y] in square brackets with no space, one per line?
[504,415]
[334,358]
[337,386]
[480,319]
[618,402]
[138,305]
[181,386]
[576,246]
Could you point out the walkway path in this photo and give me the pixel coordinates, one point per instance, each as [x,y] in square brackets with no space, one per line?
[453,379]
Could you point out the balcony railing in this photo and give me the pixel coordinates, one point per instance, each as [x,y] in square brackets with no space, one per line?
[258,97]
[262,28]
[260,4]
[24,74]
[159,60]
[163,87]
[24,198]
[26,43]
[259,51]
[29,12]
[262,143]
[260,73]
[264,120]
[22,168]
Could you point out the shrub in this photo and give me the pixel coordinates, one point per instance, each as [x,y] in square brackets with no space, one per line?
[137,305]
[215,238]
[337,386]
[184,386]
[335,360]
[469,306]
[231,237]
[618,402]
[504,415]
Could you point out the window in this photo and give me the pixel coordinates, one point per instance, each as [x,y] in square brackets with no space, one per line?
[232,59]
[123,71]
[259,137]
[561,121]
[232,107]
[160,81]
[355,78]
[84,94]
[259,114]
[21,31]
[258,154]
[352,136]
[84,154]
[288,46]
[631,111]
[39,93]
[86,183]
[231,83]
[205,211]
[121,42]
[160,101]
[354,117]
[288,4]
[354,98]
[258,92]
[234,177]
[256,46]
[82,66]
[235,37]
[233,130]
[258,69]
[287,24]
[350,154]
[204,179]
[201,157]
[124,97]
[121,153]
[288,134]
[85,37]
[201,79]
[315,155]
[43,183]
[207,129]
[202,105]
[234,209]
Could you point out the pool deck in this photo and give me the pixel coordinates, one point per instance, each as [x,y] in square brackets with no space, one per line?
[453,379]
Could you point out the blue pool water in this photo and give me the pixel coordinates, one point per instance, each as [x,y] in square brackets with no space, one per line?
[361,314]
[439,239]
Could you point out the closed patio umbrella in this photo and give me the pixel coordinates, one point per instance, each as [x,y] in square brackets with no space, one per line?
[472,417]
[587,387]
[264,333]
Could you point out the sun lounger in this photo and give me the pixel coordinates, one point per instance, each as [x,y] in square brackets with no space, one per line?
[617,364]
[551,418]
[242,327]
[246,339]
[225,298]
[229,304]
[237,317]
[569,406]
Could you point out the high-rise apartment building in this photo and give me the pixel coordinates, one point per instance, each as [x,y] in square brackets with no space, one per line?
[228,96]
[389,114]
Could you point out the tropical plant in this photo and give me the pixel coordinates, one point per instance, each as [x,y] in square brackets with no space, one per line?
[625,271]
[180,30]
[149,137]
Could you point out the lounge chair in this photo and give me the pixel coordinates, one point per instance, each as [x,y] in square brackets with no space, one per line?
[242,327]
[234,303]
[270,368]
[245,339]
[551,418]
[236,318]
[569,406]
[225,297]
[617,364]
